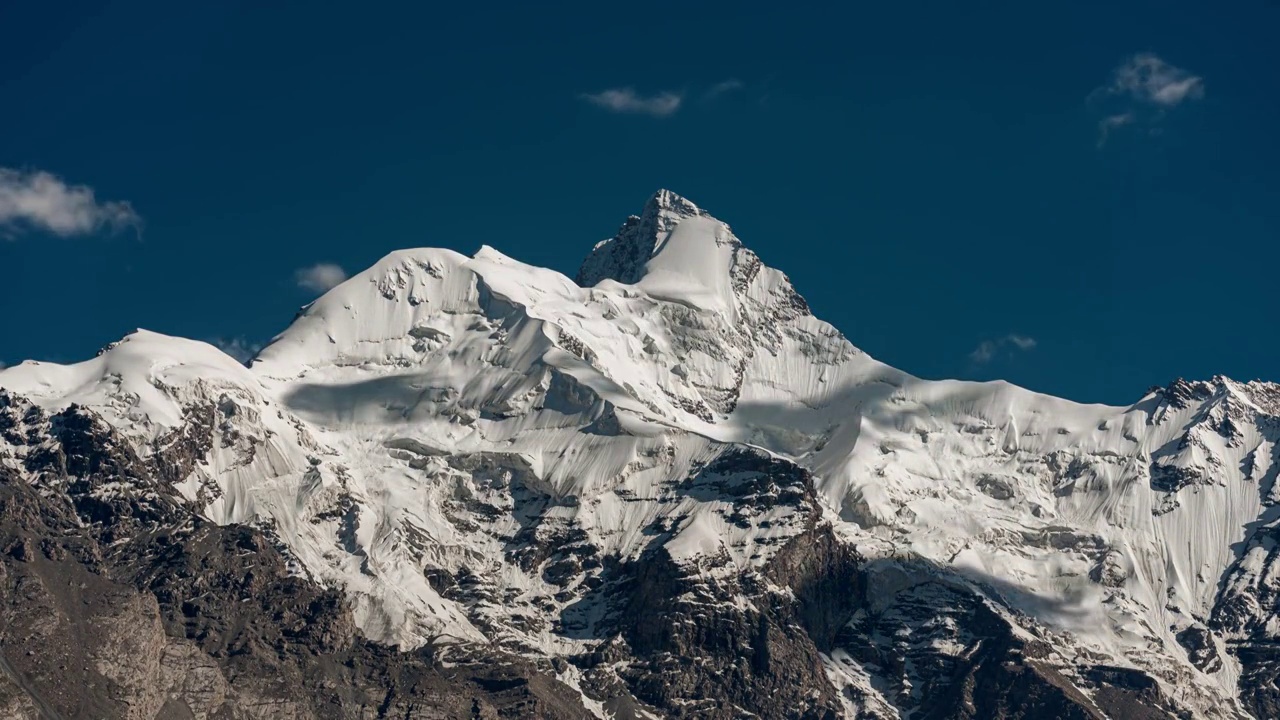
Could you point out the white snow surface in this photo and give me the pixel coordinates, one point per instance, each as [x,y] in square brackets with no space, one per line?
[433,382]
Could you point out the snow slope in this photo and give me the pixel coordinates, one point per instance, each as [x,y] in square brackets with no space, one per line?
[485,418]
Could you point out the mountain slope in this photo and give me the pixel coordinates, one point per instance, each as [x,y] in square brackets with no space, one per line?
[667,489]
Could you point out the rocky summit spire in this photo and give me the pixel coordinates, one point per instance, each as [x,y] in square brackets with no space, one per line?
[623,256]
[665,202]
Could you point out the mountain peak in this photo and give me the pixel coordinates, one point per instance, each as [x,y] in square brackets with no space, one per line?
[667,202]
[440,431]
[623,257]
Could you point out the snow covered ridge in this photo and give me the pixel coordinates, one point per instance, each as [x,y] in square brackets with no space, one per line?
[483,453]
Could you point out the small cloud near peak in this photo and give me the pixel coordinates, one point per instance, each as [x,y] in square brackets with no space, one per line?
[320,277]
[988,350]
[238,348]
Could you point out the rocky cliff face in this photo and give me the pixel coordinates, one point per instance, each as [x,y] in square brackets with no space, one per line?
[466,487]
[188,619]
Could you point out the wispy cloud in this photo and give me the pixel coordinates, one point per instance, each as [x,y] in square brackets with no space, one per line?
[320,277]
[662,104]
[722,88]
[38,200]
[1143,88]
[984,352]
[1022,342]
[1146,78]
[238,348]
[627,100]
[988,350]
[1111,123]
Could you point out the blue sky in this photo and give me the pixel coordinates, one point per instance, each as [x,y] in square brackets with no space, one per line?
[1083,198]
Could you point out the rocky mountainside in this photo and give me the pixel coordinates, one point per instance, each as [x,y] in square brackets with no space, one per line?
[467,487]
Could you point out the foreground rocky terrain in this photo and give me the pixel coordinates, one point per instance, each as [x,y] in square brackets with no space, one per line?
[467,487]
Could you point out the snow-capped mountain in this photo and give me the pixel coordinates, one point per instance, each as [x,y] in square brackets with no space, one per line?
[661,489]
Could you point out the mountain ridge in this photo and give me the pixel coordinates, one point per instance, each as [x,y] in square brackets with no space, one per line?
[671,459]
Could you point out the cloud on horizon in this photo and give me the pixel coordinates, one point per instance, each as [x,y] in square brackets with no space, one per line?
[320,277]
[39,200]
[238,348]
[987,350]
[1143,89]
[627,100]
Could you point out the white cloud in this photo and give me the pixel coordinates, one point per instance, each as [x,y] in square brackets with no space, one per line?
[1143,89]
[1111,123]
[39,200]
[320,277]
[1146,78]
[1022,341]
[627,100]
[987,350]
[721,88]
[984,352]
[238,348]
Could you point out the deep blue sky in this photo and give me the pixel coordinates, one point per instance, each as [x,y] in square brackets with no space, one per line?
[930,175]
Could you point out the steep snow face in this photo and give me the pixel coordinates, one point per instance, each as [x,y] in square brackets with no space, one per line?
[468,402]
[461,442]
[1115,525]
